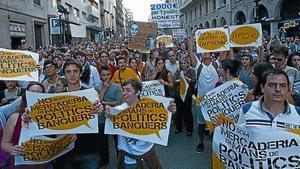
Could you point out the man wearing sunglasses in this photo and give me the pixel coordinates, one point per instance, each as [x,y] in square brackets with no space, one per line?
[280,57]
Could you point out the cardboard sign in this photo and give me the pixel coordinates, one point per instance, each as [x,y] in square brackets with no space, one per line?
[147,120]
[183,86]
[224,101]
[142,35]
[246,35]
[168,39]
[18,65]
[152,88]
[62,113]
[166,15]
[236,146]
[42,149]
[212,40]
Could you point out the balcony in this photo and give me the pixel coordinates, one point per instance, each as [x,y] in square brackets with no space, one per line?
[91,10]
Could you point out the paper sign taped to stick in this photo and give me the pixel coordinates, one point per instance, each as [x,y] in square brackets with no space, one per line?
[224,101]
[152,88]
[183,86]
[62,113]
[246,35]
[42,149]
[147,120]
[18,65]
[212,40]
[237,146]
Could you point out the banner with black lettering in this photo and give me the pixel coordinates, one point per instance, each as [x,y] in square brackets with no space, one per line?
[18,65]
[43,149]
[224,101]
[236,146]
[148,120]
[152,88]
[62,113]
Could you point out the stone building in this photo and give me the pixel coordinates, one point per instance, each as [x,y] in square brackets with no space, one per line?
[273,14]
[23,24]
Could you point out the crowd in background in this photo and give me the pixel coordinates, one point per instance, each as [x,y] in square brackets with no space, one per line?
[107,64]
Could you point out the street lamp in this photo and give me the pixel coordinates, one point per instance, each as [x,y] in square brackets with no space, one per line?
[63,11]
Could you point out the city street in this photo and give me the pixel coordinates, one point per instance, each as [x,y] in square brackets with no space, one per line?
[179,154]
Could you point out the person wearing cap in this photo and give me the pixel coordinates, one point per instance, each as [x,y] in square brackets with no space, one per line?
[207,78]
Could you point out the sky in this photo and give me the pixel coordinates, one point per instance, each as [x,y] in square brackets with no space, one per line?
[140,8]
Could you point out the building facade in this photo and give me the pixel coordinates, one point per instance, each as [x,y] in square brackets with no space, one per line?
[108,19]
[119,19]
[23,24]
[273,14]
[79,16]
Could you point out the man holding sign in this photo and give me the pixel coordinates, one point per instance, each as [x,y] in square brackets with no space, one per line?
[134,151]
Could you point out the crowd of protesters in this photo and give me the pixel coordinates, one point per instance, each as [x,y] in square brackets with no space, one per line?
[107,66]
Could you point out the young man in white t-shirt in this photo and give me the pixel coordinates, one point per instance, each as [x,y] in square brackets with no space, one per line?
[132,152]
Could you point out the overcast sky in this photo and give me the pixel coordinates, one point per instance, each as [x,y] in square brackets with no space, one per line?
[140,8]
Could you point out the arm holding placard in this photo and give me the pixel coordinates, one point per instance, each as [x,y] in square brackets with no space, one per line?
[191,53]
[7,144]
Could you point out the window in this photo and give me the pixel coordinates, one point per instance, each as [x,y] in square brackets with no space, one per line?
[191,15]
[195,12]
[214,4]
[200,10]
[76,13]
[206,7]
[70,9]
[37,2]
[84,16]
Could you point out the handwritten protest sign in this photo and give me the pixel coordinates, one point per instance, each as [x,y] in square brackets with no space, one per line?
[166,15]
[168,39]
[246,35]
[236,146]
[179,34]
[62,113]
[212,40]
[183,86]
[42,149]
[152,88]
[224,101]
[18,65]
[147,120]
[142,36]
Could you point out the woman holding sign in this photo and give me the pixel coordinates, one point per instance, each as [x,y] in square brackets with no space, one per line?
[184,112]
[12,131]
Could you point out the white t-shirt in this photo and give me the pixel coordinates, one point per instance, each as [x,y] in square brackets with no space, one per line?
[133,146]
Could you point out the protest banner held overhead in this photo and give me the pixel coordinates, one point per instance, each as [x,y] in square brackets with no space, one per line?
[147,120]
[42,149]
[179,34]
[18,65]
[237,146]
[224,101]
[62,113]
[152,88]
[167,39]
[142,35]
[212,40]
[166,15]
[246,35]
